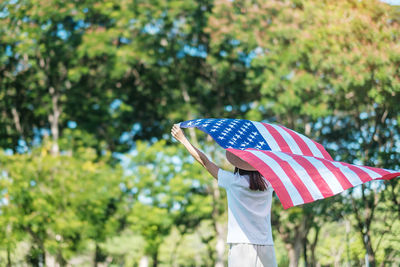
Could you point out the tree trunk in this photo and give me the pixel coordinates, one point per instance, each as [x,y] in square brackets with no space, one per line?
[364,221]
[42,256]
[218,227]
[370,252]
[305,243]
[172,260]
[313,246]
[54,118]
[37,249]
[97,255]
[294,236]
[8,257]
[294,251]
[155,258]
[17,121]
[60,259]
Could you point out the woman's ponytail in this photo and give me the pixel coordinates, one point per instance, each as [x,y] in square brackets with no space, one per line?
[257,182]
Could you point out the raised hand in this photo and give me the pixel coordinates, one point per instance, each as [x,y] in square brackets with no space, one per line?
[177,133]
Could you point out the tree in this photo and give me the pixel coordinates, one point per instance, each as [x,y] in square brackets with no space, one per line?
[87,64]
[170,190]
[322,73]
[59,202]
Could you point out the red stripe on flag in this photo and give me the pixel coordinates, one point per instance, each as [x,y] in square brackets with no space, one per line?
[299,141]
[377,170]
[364,176]
[312,171]
[389,176]
[322,149]
[283,145]
[294,178]
[344,182]
[268,174]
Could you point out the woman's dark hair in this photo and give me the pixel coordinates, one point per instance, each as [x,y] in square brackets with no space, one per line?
[257,182]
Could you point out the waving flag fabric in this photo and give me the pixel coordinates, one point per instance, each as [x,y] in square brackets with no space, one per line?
[299,169]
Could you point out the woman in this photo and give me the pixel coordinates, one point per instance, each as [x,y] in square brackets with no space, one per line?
[249,208]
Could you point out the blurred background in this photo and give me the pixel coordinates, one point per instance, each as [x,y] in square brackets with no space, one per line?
[89,90]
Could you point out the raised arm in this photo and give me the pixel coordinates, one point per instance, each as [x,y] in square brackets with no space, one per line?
[178,134]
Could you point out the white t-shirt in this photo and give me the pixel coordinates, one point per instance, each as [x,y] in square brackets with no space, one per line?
[249,211]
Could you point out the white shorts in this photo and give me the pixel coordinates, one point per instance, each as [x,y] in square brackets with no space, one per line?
[249,255]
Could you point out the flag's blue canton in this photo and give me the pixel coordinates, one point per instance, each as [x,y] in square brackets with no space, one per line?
[230,133]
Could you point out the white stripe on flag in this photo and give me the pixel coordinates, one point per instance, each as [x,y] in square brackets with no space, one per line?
[327,175]
[269,139]
[391,171]
[289,140]
[371,173]
[302,174]
[293,193]
[351,176]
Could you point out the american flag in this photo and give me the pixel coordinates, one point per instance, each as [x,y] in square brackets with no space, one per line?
[299,169]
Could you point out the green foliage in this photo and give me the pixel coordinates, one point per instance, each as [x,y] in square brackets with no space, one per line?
[125,248]
[171,190]
[59,202]
[316,64]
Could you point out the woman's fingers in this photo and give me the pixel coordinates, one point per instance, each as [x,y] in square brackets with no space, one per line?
[174,130]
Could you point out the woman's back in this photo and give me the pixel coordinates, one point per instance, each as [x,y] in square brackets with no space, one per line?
[249,211]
